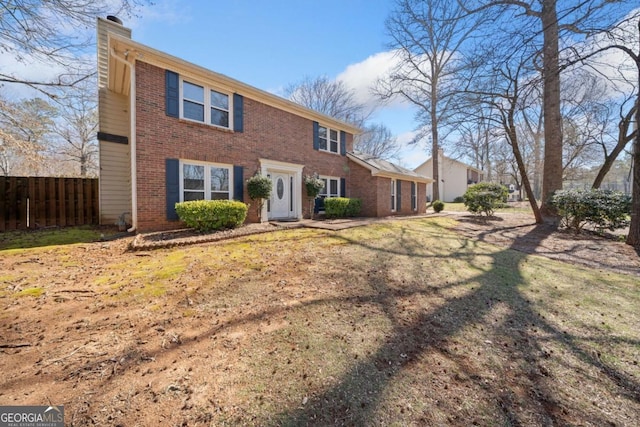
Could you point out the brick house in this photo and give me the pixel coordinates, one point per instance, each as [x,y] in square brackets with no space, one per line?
[172,131]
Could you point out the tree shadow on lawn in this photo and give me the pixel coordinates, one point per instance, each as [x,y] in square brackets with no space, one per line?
[525,397]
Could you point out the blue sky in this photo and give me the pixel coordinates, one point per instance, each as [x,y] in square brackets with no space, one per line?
[270,44]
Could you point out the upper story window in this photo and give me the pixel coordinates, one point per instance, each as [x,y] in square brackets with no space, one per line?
[328,139]
[205,181]
[202,104]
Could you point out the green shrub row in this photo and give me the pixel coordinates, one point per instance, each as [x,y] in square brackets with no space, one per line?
[599,208]
[341,207]
[485,197]
[209,215]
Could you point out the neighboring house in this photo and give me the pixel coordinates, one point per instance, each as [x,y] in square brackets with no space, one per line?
[455,177]
[172,131]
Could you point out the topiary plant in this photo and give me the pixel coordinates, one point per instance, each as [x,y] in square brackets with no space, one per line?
[259,189]
[314,186]
[437,206]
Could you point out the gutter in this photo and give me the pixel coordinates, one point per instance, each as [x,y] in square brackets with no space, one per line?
[132,136]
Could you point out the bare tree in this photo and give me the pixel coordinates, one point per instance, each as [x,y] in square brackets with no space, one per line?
[543,22]
[330,97]
[25,127]
[428,37]
[54,32]
[76,128]
[378,141]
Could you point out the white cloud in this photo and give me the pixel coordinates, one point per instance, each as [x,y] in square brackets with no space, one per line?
[28,70]
[362,76]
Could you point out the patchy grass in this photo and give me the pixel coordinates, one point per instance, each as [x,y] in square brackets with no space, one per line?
[23,239]
[397,323]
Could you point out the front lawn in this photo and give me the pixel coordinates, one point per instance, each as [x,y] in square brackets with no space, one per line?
[396,323]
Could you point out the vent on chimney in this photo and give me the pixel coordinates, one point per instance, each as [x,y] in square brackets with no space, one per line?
[114,18]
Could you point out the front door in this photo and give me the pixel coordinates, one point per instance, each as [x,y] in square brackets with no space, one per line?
[281,202]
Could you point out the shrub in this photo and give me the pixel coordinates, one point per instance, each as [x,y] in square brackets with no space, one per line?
[437,206]
[485,197]
[259,189]
[599,208]
[341,207]
[209,215]
[313,185]
[458,199]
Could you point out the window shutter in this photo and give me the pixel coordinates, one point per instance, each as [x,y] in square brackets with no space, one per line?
[343,187]
[398,195]
[316,136]
[238,116]
[343,143]
[172,170]
[238,183]
[172,94]
[318,204]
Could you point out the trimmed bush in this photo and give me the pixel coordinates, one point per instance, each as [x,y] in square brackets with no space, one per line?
[210,215]
[438,206]
[259,189]
[603,209]
[341,207]
[485,197]
[458,199]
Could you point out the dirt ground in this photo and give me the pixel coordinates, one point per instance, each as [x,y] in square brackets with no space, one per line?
[519,231]
[133,353]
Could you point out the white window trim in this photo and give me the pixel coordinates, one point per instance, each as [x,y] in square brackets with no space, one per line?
[328,178]
[207,177]
[328,149]
[207,103]
[394,197]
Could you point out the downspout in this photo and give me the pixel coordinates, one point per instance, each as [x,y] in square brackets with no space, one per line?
[132,137]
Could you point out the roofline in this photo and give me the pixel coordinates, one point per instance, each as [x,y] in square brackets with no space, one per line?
[164,60]
[386,174]
[453,160]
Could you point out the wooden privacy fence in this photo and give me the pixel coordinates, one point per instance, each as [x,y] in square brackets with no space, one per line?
[34,202]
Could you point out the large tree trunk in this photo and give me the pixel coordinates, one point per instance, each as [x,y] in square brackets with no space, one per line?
[552,172]
[633,238]
[435,146]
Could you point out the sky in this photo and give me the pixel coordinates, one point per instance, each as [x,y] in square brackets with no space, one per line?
[271,44]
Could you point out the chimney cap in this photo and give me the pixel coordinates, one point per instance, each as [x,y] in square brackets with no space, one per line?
[114,18]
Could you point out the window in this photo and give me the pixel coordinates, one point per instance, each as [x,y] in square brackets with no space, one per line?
[333,189]
[205,181]
[328,139]
[393,195]
[414,196]
[202,104]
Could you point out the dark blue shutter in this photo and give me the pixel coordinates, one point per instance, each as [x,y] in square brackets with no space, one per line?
[318,204]
[172,170]
[398,195]
[172,94]
[238,117]
[316,136]
[343,187]
[343,143]
[238,183]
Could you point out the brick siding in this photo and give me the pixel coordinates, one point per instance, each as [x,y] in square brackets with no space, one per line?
[269,133]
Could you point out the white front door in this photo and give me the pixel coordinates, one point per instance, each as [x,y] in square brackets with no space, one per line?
[281,202]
